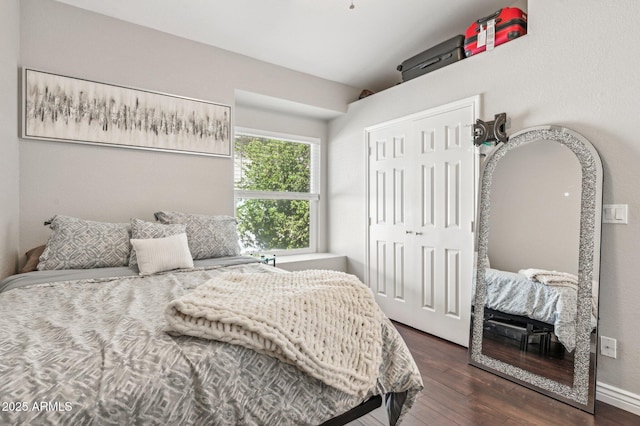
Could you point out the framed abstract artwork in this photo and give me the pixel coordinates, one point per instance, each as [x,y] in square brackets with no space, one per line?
[67,109]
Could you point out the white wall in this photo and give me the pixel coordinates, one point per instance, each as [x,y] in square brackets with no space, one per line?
[115,184]
[9,196]
[572,70]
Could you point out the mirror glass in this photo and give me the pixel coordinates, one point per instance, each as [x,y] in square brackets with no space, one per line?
[536,278]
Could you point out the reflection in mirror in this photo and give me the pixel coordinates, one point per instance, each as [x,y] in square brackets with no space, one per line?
[535,306]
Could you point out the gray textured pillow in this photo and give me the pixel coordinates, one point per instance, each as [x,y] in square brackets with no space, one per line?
[143,230]
[209,236]
[83,244]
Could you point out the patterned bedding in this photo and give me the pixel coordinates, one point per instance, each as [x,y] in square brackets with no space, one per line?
[94,351]
[514,294]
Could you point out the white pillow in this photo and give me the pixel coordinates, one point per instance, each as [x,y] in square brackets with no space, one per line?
[162,254]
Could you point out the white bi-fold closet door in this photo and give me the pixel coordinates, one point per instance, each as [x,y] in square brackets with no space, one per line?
[422,174]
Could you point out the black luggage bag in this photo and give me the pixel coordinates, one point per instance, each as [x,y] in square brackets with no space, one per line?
[434,58]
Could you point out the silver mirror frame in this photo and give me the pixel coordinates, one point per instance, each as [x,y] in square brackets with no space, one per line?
[582,393]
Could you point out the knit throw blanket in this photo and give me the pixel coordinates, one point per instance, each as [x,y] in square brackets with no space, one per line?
[326,323]
[553,278]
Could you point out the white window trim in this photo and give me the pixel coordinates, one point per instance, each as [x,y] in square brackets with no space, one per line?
[312,197]
[275,135]
[268,195]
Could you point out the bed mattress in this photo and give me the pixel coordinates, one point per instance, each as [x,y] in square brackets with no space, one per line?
[91,348]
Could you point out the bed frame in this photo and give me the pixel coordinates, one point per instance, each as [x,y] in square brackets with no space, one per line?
[520,327]
[356,412]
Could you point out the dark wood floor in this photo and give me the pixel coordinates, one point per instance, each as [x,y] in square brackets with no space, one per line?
[455,393]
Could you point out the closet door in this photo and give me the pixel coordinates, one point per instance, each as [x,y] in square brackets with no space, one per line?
[390,168]
[421,205]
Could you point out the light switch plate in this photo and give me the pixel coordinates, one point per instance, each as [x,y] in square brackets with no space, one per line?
[615,213]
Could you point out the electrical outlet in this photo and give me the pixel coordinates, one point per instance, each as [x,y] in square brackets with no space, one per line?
[608,346]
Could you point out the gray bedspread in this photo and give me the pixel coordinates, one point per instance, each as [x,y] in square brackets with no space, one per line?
[94,351]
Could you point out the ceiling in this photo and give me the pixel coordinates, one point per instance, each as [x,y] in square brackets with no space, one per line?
[360,47]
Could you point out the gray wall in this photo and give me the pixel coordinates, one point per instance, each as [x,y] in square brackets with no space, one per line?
[115,184]
[570,70]
[9,196]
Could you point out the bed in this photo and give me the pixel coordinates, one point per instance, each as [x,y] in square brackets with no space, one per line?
[548,308]
[90,346]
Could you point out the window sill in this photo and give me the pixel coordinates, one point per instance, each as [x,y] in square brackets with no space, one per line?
[299,262]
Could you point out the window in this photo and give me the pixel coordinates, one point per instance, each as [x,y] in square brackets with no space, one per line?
[276,191]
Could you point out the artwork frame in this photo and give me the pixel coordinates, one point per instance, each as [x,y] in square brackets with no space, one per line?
[70,109]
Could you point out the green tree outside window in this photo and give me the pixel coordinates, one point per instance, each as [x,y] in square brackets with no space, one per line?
[274,166]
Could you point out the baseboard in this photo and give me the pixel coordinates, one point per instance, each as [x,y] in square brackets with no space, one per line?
[618,398]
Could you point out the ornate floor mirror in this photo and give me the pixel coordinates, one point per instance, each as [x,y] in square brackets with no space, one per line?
[535,307]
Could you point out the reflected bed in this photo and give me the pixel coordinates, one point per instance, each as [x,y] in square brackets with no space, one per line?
[514,294]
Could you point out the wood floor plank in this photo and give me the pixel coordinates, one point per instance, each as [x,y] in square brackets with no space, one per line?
[458,394]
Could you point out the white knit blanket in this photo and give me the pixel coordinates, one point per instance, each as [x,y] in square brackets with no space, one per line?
[560,279]
[326,323]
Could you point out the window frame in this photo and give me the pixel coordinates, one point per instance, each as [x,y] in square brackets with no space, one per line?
[313,196]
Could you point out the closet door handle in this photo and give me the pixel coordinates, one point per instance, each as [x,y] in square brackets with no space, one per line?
[408,232]
[419,233]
